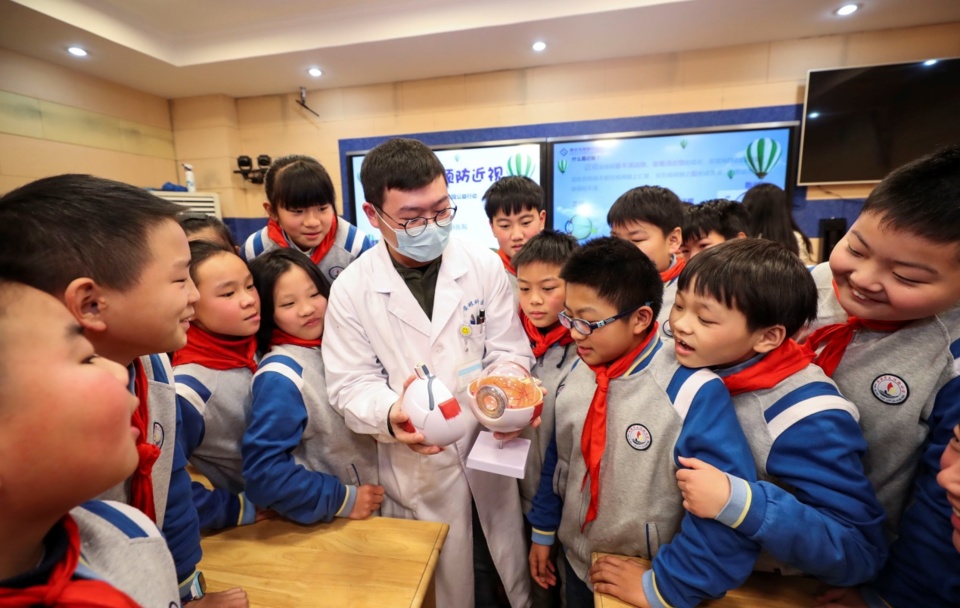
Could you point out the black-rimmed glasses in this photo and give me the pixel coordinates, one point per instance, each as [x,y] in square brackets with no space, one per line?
[416,226]
[582,326]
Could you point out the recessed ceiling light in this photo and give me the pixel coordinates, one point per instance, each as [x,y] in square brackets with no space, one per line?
[930,62]
[315,72]
[76,51]
[813,114]
[539,45]
[847,9]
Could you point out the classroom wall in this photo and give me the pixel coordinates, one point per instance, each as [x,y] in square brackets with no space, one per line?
[55,120]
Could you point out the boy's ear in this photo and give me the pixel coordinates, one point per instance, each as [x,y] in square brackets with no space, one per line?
[543,219]
[269,209]
[674,240]
[371,212]
[741,235]
[86,302]
[643,319]
[770,338]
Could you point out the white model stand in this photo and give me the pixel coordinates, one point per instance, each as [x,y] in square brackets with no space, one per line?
[508,459]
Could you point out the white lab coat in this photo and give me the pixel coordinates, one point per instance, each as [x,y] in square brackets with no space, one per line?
[375,333]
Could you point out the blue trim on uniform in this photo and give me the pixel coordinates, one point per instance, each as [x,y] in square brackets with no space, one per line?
[955,349]
[351,236]
[159,371]
[679,378]
[283,360]
[645,356]
[258,243]
[802,393]
[194,384]
[115,517]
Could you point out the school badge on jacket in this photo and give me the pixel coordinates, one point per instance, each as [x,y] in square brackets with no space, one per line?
[890,389]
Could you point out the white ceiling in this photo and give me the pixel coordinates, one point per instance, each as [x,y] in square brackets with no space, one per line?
[242,48]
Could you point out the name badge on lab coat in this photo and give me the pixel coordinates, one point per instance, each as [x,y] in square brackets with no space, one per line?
[468,370]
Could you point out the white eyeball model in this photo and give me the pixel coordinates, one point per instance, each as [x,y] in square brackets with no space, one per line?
[433,410]
[506,398]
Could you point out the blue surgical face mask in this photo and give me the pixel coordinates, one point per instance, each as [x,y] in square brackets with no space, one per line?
[426,246]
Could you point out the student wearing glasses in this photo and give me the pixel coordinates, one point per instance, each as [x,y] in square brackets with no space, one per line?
[422,295]
[625,413]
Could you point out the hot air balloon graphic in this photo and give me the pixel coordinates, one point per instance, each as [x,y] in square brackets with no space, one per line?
[731,173]
[683,144]
[562,166]
[762,156]
[520,164]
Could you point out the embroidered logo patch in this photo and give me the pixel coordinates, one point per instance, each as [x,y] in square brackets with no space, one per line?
[157,434]
[335,271]
[890,389]
[665,328]
[638,437]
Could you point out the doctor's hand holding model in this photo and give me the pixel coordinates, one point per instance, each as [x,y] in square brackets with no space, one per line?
[422,295]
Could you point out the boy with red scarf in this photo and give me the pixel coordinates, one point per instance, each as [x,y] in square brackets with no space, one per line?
[626,412]
[300,205]
[65,436]
[651,217]
[888,333]
[116,256]
[515,207]
[737,306]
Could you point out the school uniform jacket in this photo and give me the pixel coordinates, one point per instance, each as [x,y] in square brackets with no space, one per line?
[121,546]
[551,369]
[348,243]
[669,296]
[893,378]
[655,412]
[813,511]
[222,399]
[299,457]
[375,334]
[176,513]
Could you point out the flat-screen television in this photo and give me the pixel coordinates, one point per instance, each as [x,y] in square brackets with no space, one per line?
[861,123]
[470,171]
[590,174]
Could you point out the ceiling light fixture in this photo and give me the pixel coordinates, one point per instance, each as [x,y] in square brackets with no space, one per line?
[813,114]
[539,46]
[315,72]
[847,9]
[930,62]
[76,51]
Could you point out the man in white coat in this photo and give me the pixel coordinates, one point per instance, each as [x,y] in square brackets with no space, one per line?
[422,295]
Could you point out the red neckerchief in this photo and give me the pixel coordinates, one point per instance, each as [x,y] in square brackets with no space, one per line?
[777,365]
[540,341]
[275,234]
[141,482]
[835,338]
[279,337]
[62,590]
[203,348]
[594,437]
[674,271]
[507,264]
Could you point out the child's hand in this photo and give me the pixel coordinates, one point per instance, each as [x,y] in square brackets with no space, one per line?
[705,488]
[620,577]
[541,568]
[841,598]
[263,514]
[398,419]
[368,500]
[231,598]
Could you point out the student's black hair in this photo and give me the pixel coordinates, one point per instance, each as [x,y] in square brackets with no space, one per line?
[921,197]
[619,272]
[58,229]
[298,182]
[201,251]
[652,204]
[725,217]
[193,222]
[266,270]
[760,278]
[398,164]
[548,247]
[513,194]
[771,217]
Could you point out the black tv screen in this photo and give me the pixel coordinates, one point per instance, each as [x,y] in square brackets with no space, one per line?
[861,123]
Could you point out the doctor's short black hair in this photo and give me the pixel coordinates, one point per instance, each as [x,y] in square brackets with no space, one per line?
[618,271]
[267,270]
[61,228]
[398,164]
[767,283]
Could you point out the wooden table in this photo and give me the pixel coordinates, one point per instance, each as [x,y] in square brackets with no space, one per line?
[377,562]
[761,590]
